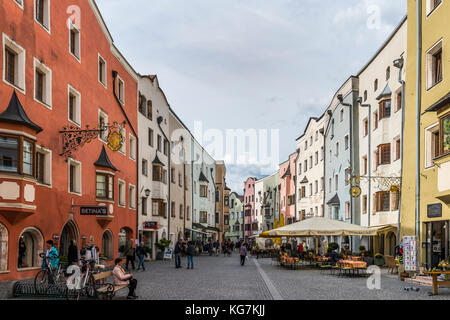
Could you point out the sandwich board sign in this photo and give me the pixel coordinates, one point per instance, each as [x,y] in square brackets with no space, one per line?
[168,253]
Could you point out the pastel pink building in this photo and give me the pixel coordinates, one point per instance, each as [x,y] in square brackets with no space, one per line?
[249,207]
[287,189]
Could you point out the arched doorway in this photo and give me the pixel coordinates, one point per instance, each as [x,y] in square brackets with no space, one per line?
[108,244]
[382,243]
[3,248]
[31,243]
[392,240]
[124,234]
[69,233]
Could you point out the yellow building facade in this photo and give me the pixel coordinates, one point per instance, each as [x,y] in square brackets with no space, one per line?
[433,43]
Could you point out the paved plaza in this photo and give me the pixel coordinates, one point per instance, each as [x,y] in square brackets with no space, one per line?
[223,278]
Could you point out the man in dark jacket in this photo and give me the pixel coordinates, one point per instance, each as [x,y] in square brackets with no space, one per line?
[141,253]
[177,252]
[129,253]
[190,251]
[72,255]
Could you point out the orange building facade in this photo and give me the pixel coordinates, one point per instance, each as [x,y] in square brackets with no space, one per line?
[59,76]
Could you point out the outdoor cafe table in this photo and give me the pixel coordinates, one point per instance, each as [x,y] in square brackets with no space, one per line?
[354,264]
[435,274]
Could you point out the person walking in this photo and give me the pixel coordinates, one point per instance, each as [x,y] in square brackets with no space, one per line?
[177,252]
[190,251]
[72,254]
[129,254]
[243,253]
[121,278]
[142,254]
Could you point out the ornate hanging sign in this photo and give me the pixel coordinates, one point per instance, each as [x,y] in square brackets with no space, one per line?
[391,184]
[75,137]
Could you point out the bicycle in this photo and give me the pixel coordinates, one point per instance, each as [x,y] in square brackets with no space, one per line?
[48,276]
[82,280]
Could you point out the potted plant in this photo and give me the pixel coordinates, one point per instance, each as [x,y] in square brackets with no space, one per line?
[379,259]
[362,251]
[161,245]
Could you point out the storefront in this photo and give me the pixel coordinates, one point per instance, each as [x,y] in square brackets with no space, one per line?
[437,242]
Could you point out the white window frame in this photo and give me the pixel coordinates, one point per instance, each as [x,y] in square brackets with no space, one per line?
[79,177]
[429,145]
[123,150]
[46,25]
[341,115]
[429,8]
[105,71]
[19,4]
[346,142]
[439,45]
[47,166]
[48,83]
[122,195]
[77,94]
[78,42]
[101,112]
[132,142]
[20,63]
[121,93]
[132,201]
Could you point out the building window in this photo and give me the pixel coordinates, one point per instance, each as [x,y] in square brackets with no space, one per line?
[316,186]
[105,186]
[121,193]
[366,127]
[42,13]
[299,168]
[365,95]
[43,165]
[384,154]
[375,120]
[347,210]
[17,155]
[388,73]
[316,162]
[145,167]
[74,176]
[102,70]
[144,206]
[384,109]
[203,217]
[375,85]
[337,149]
[348,174]
[150,137]
[432,5]
[180,184]
[74,106]
[364,165]
[181,211]
[172,209]
[346,140]
[159,143]
[103,125]
[364,204]
[158,208]
[341,116]
[306,165]
[203,191]
[42,84]
[310,162]
[166,147]
[13,64]
[395,200]
[74,41]
[132,147]
[397,149]
[150,109]
[382,201]
[188,213]
[434,65]
[398,98]
[132,196]
[157,173]
[172,175]
[121,89]
[445,134]
[336,178]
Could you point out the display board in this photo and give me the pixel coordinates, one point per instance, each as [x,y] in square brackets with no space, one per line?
[409,253]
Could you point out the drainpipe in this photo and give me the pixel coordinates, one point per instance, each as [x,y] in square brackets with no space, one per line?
[341,100]
[418,107]
[295,181]
[399,64]
[184,187]
[169,212]
[215,191]
[114,74]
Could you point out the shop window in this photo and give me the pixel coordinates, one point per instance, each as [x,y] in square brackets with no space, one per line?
[445,134]
[102,70]
[105,186]
[42,13]
[42,84]
[132,196]
[434,65]
[31,243]
[121,192]
[74,41]
[74,106]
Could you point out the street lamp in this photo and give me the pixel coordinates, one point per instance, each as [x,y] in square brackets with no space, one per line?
[147,192]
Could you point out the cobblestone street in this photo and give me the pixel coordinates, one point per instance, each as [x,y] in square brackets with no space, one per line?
[221,278]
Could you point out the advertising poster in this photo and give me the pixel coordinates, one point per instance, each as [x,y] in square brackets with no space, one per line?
[409,253]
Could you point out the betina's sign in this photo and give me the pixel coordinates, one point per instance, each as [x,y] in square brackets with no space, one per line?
[94,211]
[434,210]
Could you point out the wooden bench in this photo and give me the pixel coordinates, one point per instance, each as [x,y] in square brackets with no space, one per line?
[107,290]
[437,283]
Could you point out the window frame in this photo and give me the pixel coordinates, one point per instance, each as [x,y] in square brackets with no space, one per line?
[107,182]
[77,94]
[443,152]
[438,47]
[20,64]
[122,194]
[105,71]
[46,23]
[47,89]
[77,42]
[80,177]
[20,139]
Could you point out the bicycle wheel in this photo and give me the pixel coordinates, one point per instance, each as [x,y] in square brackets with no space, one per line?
[41,282]
[91,287]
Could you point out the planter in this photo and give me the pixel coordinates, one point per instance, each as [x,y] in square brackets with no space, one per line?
[379,262]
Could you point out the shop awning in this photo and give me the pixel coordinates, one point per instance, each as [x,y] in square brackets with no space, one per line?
[196,231]
[318,226]
[384,227]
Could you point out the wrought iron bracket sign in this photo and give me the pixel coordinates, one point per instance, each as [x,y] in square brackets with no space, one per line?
[392,184]
[75,137]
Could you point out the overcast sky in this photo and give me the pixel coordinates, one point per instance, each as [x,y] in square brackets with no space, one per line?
[263,64]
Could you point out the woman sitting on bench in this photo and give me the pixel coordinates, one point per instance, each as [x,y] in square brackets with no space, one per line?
[121,278]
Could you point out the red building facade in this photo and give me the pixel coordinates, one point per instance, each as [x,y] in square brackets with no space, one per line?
[249,208]
[57,76]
